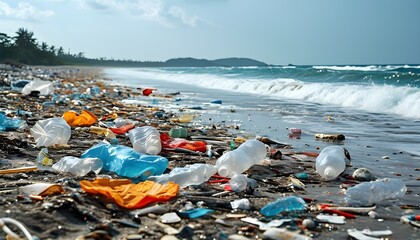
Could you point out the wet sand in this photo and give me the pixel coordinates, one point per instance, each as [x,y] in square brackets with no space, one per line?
[77,214]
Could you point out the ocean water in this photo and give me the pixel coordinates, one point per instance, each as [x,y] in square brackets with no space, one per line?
[377,108]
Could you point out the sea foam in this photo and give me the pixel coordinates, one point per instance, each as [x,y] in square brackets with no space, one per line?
[367,96]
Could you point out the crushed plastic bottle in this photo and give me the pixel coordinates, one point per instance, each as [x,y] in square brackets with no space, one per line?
[145,139]
[189,175]
[240,183]
[331,162]
[178,132]
[241,159]
[286,204]
[126,162]
[78,166]
[51,131]
[368,193]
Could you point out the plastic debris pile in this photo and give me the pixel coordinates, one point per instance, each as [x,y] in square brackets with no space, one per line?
[116,162]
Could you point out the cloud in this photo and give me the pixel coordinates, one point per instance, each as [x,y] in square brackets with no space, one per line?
[23,11]
[150,10]
[103,5]
[178,12]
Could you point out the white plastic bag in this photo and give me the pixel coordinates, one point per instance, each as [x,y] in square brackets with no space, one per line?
[78,166]
[44,87]
[51,131]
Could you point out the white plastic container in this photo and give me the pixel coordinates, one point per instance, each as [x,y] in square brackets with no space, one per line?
[146,140]
[368,193]
[51,131]
[331,162]
[189,175]
[241,159]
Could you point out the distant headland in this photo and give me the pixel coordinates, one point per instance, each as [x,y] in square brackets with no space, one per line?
[24,49]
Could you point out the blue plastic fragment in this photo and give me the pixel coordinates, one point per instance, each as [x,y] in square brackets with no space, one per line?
[218,101]
[195,213]
[286,204]
[7,123]
[126,162]
[302,175]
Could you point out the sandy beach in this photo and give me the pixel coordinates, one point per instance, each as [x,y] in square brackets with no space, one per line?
[74,214]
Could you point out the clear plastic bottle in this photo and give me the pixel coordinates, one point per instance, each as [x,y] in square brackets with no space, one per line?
[368,193]
[241,159]
[240,182]
[145,139]
[51,131]
[286,204]
[331,162]
[126,162]
[189,175]
[44,161]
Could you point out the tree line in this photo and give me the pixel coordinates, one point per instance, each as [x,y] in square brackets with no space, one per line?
[24,49]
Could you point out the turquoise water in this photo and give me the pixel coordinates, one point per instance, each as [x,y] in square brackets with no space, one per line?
[378,89]
[377,108]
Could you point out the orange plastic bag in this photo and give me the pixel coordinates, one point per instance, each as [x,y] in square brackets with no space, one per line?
[168,142]
[130,195]
[85,119]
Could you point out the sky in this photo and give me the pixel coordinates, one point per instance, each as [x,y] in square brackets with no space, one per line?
[301,32]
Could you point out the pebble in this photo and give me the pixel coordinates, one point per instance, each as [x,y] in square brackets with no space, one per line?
[186,233]
[363,174]
[134,237]
[237,237]
[308,224]
[373,214]
[169,237]
[170,218]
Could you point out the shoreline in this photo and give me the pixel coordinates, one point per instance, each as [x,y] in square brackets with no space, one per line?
[77,213]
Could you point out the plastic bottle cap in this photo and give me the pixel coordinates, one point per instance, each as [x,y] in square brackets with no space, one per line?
[330,173]
[223,171]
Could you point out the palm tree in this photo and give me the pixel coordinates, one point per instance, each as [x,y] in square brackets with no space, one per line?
[4,40]
[44,47]
[52,49]
[25,46]
[5,47]
[25,39]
